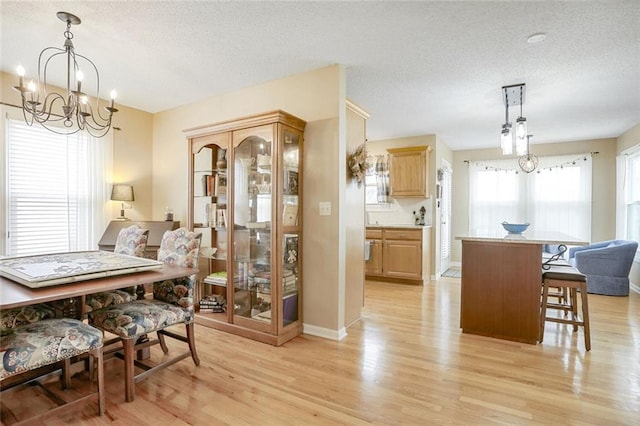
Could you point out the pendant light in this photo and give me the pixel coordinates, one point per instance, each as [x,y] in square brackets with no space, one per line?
[513,96]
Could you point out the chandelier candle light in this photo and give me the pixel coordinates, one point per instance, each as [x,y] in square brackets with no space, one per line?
[73,111]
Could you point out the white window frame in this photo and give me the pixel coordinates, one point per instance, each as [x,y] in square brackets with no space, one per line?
[627,192]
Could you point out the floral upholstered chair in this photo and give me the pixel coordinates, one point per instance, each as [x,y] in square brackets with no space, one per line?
[29,342]
[172,304]
[12,318]
[131,241]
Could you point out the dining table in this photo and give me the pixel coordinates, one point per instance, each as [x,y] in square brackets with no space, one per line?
[14,293]
[501,282]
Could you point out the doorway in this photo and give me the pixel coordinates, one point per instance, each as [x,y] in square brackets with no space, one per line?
[444,180]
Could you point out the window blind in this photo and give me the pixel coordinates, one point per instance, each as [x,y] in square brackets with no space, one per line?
[49,199]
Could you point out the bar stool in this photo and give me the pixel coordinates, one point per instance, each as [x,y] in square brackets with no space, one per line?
[553,256]
[566,278]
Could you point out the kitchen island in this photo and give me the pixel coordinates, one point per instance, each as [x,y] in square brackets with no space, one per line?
[501,283]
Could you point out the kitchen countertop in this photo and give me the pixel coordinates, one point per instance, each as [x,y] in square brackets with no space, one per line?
[407,226]
[524,238]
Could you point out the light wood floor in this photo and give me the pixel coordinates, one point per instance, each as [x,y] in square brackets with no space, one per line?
[406,362]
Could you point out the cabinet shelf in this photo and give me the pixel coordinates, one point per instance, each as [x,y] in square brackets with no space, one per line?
[255,243]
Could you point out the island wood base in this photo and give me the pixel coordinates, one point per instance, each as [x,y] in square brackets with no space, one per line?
[500,292]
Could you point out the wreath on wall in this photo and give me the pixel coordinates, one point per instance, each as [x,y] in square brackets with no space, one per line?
[359,162]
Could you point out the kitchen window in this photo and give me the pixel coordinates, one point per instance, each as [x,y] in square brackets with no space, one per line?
[556,197]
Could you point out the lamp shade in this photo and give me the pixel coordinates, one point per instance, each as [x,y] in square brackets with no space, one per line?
[122,193]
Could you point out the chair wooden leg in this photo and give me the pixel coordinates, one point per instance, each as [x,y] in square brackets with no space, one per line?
[163,343]
[191,340]
[66,373]
[129,379]
[96,356]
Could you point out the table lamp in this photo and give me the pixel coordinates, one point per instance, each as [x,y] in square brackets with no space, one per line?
[122,193]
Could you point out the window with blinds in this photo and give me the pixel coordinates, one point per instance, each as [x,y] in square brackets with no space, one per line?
[631,187]
[49,191]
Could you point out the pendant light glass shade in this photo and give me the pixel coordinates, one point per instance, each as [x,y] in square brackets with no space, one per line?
[506,139]
[521,136]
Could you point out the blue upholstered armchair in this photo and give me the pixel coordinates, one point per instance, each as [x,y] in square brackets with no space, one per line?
[606,265]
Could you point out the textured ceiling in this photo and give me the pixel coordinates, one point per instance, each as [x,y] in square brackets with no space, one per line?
[417,67]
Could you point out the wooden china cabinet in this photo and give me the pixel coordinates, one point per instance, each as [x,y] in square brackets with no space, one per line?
[245,196]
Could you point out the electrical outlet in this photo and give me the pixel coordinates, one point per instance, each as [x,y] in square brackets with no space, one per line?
[325,208]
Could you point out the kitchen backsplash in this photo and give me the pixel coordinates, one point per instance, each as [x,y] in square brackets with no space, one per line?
[398,212]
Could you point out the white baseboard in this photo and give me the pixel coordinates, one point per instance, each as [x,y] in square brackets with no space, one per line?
[324,332]
[634,287]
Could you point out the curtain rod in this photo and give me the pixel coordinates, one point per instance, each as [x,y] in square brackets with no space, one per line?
[590,153]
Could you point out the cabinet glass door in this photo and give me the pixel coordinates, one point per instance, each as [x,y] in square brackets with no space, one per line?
[253,228]
[291,241]
[209,209]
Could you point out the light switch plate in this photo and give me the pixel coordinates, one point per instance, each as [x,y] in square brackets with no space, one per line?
[325,208]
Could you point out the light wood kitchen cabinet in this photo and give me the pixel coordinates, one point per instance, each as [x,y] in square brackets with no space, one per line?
[402,254]
[399,253]
[409,172]
[245,197]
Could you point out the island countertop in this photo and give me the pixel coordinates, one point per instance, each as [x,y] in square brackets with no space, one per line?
[397,226]
[524,238]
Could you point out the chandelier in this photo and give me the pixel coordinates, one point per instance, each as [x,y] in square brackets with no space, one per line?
[513,96]
[528,162]
[70,113]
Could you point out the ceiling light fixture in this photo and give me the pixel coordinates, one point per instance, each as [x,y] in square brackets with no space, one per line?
[528,162]
[513,96]
[536,38]
[70,113]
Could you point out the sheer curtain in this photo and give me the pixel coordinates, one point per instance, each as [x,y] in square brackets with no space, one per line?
[559,198]
[382,179]
[57,190]
[494,195]
[554,198]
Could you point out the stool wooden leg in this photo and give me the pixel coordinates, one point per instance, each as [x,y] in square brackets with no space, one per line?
[585,316]
[543,310]
[574,307]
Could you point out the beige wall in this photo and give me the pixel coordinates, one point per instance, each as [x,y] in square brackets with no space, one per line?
[132,160]
[629,138]
[318,97]
[603,190]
